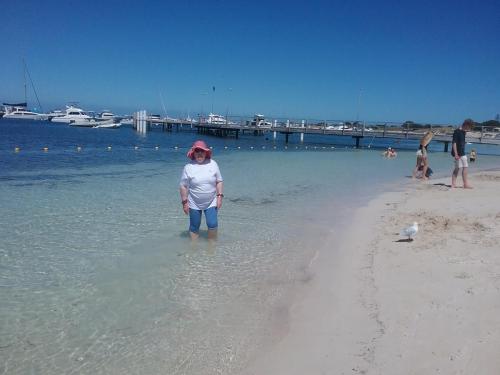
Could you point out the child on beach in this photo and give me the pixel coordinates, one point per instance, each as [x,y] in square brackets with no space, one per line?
[472,156]
[424,142]
[422,169]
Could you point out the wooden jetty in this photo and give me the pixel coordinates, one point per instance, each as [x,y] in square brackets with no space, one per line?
[356,135]
[442,135]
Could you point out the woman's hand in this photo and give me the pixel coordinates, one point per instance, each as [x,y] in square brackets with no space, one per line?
[219,202]
[185,207]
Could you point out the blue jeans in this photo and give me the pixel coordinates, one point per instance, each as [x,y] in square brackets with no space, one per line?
[195,219]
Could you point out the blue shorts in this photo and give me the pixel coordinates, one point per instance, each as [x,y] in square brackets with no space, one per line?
[195,219]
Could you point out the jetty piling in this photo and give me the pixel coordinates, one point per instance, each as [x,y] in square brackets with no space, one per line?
[140,122]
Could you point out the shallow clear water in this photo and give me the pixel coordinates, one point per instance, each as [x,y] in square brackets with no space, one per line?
[98,275]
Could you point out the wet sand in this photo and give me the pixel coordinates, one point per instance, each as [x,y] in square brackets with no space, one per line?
[378,304]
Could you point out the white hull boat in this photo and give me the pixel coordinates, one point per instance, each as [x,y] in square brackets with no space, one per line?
[106,115]
[127,121]
[107,125]
[19,112]
[25,115]
[53,114]
[72,115]
[215,119]
[91,123]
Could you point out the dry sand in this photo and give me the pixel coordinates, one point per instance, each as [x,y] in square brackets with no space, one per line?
[378,305]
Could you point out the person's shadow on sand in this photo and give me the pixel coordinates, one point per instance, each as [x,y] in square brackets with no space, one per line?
[441,184]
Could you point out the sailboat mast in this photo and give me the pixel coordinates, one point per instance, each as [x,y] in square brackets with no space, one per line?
[163,105]
[26,71]
[25,91]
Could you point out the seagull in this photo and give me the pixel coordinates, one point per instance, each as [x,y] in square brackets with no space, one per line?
[410,231]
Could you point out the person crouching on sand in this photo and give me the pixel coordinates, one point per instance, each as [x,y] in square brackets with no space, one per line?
[422,169]
[424,143]
[201,189]
[418,166]
[472,155]
[458,152]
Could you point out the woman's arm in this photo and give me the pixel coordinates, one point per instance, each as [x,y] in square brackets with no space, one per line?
[219,187]
[184,199]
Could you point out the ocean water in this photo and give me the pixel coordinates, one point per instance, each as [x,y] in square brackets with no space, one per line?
[97,271]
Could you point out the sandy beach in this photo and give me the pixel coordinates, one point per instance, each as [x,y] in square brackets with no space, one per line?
[376,304]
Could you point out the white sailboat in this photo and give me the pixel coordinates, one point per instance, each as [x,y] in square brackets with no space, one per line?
[20,110]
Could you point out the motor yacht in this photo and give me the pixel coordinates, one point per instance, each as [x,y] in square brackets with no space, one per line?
[260,121]
[106,115]
[153,118]
[127,121]
[340,127]
[72,114]
[19,111]
[55,113]
[216,119]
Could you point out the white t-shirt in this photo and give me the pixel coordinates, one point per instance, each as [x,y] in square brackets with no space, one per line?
[200,180]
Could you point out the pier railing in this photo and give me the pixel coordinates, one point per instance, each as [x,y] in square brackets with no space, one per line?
[233,125]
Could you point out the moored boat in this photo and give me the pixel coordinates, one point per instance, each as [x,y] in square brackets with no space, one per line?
[72,114]
[127,121]
[91,123]
[55,113]
[19,111]
[106,115]
[107,125]
[216,119]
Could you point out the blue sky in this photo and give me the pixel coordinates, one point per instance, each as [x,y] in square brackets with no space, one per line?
[426,61]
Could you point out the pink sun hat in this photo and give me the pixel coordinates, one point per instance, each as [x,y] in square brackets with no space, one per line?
[199,145]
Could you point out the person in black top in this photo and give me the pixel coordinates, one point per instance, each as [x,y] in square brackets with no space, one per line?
[458,152]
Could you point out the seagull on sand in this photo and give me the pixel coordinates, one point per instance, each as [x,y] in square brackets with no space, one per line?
[410,232]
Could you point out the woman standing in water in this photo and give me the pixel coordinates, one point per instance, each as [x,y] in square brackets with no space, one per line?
[201,189]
